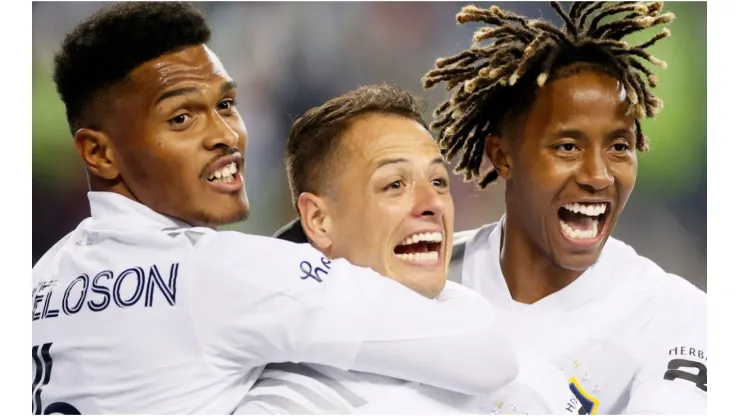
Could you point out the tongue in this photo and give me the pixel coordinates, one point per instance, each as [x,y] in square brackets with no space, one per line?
[577,221]
[419,247]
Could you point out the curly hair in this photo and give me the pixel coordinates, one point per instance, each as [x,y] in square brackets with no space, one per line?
[497,83]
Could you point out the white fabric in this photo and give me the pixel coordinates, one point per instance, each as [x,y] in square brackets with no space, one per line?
[135,312]
[539,388]
[615,331]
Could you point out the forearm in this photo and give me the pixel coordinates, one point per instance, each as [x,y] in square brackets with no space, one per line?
[472,363]
[449,343]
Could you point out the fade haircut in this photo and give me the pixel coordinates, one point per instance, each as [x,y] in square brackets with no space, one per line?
[102,50]
[314,136]
[500,80]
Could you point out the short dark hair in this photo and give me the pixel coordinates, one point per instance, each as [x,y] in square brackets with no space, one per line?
[500,80]
[103,49]
[313,137]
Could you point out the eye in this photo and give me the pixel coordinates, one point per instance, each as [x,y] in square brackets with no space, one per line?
[393,185]
[621,147]
[566,147]
[440,182]
[227,104]
[179,119]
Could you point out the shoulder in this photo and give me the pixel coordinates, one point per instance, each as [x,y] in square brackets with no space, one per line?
[472,238]
[48,258]
[236,250]
[252,257]
[464,243]
[249,245]
[670,293]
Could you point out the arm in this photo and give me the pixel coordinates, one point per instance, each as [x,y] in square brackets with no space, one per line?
[539,389]
[454,340]
[259,300]
[673,376]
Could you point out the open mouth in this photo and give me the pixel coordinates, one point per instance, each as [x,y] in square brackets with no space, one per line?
[225,174]
[421,248]
[584,221]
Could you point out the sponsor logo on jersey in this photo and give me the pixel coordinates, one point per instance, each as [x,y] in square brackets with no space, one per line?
[316,273]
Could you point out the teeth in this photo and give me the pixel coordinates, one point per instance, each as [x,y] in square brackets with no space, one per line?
[591,210]
[592,231]
[225,174]
[432,256]
[435,237]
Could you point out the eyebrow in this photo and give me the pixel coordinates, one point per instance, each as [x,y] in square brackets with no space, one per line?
[574,133]
[578,134]
[225,87]
[384,162]
[622,132]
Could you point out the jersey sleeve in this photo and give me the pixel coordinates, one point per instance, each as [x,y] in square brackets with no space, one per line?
[259,300]
[673,376]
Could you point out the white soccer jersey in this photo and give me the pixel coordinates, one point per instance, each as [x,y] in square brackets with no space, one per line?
[540,388]
[134,312]
[630,337]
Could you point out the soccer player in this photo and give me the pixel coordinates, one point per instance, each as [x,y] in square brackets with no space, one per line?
[146,308]
[558,112]
[361,157]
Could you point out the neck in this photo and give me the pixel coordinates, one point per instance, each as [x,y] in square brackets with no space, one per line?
[530,273]
[98,184]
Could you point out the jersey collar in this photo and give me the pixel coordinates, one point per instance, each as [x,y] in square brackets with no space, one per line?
[119,210]
[580,291]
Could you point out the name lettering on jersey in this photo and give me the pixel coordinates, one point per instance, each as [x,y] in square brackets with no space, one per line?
[97,293]
[688,352]
[313,272]
[41,294]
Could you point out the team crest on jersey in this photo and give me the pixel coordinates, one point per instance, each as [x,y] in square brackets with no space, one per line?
[589,404]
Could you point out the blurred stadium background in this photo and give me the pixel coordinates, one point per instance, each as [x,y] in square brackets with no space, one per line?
[288,57]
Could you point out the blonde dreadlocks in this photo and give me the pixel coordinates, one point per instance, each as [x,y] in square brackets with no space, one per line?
[499,80]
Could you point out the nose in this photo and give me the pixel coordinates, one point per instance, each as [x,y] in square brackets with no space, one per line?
[219,133]
[594,173]
[428,202]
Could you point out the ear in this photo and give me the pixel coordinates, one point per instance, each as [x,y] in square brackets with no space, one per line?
[96,149]
[315,220]
[499,153]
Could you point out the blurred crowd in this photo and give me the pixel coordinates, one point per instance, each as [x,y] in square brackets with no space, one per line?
[288,57]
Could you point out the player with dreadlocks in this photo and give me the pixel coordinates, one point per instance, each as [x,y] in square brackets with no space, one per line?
[557,111]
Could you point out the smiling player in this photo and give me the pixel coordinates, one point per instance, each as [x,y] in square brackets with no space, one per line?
[370,185]
[146,308]
[558,113]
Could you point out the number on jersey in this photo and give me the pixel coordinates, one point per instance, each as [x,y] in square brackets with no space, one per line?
[675,372]
[43,364]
